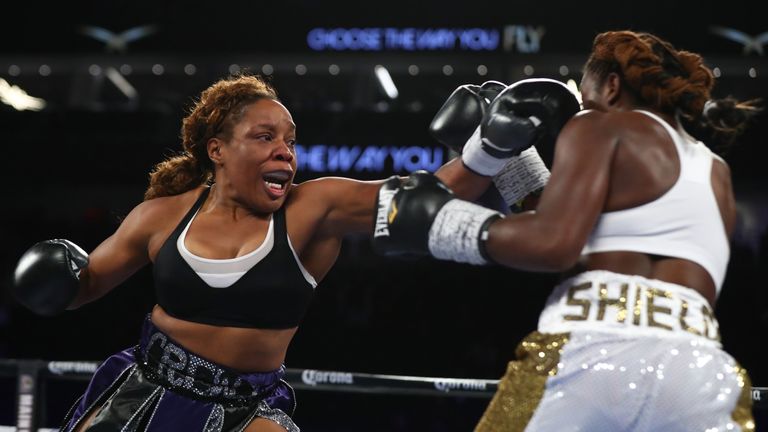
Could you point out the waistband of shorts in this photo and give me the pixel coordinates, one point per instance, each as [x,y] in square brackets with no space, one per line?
[168,363]
[605,301]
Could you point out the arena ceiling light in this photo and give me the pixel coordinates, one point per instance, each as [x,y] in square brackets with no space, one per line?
[385,81]
[16,97]
[117,42]
[121,83]
[750,43]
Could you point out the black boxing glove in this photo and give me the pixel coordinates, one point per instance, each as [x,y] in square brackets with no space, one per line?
[462,112]
[47,276]
[529,112]
[549,101]
[554,104]
[422,217]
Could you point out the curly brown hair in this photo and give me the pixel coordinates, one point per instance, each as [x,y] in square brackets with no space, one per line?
[219,108]
[667,79]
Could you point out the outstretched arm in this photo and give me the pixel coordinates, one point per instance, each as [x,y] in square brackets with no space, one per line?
[348,206]
[341,205]
[55,275]
[117,257]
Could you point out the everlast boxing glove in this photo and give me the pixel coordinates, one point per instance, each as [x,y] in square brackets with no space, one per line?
[422,217]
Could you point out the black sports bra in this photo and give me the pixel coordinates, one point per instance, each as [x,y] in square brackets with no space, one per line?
[273,294]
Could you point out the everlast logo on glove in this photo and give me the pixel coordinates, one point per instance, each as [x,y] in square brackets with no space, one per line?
[385,216]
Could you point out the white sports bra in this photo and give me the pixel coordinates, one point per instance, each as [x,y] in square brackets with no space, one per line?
[221,273]
[685,222]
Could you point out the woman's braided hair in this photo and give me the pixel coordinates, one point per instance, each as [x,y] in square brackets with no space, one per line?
[669,80]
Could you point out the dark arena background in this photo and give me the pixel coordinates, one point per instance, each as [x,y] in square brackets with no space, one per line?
[92,95]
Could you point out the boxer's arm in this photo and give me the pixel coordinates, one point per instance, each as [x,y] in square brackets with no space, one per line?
[552,237]
[55,275]
[120,255]
[346,206]
[339,205]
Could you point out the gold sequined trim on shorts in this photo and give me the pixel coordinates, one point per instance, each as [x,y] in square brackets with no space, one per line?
[522,387]
[742,413]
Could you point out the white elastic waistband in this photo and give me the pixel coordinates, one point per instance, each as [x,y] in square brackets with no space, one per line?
[606,301]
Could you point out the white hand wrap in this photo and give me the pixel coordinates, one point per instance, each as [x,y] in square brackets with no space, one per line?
[456,234]
[476,159]
[521,176]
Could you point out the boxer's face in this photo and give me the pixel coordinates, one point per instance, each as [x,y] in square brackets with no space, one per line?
[259,159]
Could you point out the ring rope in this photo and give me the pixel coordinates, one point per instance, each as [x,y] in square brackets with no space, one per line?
[29,372]
[323,380]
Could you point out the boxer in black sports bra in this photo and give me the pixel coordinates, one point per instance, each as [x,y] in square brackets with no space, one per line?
[237,250]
